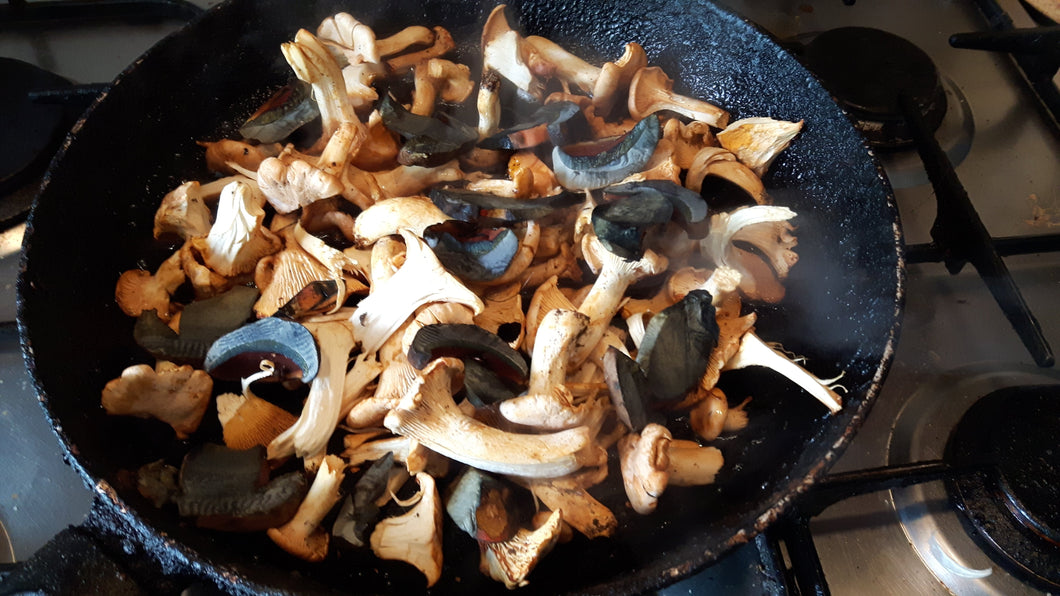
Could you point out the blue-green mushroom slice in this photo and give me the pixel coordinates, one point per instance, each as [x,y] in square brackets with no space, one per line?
[288,345]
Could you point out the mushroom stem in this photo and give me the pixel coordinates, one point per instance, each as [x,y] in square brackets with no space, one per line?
[652,91]
[428,414]
[692,464]
[302,535]
[754,352]
[608,291]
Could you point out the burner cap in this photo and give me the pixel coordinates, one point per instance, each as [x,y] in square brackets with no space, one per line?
[29,132]
[1012,507]
[867,70]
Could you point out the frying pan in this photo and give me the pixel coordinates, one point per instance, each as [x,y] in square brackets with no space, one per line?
[93,220]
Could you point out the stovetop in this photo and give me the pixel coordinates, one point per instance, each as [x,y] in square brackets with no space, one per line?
[955,341]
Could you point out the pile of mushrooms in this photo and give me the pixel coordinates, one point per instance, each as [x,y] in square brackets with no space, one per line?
[441,307]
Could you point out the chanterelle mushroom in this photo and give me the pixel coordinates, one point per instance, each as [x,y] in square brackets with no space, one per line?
[238,240]
[645,463]
[137,290]
[428,414]
[764,227]
[416,536]
[302,536]
[757,141]
[176,395]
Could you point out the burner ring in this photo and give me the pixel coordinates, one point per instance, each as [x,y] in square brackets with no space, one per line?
[867,70]
[1012,508]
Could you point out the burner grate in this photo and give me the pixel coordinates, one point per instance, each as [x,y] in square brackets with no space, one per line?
[1012,507]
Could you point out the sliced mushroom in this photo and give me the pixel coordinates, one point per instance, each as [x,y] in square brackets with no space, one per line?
[416,536]
[651,91]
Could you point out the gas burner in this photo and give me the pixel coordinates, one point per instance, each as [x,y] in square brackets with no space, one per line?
[932,524]
[868,70]
[1012,507]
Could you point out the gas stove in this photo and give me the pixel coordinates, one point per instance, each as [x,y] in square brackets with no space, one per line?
[902,531]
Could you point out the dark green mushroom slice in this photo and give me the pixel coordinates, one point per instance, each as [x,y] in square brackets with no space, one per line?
[687,203]
[677,345]
[621,224]
[429,140]
[560,122]
[483,387]
[287,110]
[630,391]
[288,345]
[487,507]
[628,156]
[482,255]
[471,206]
[201,323]
[359,512]
[722,194]
[228,489]
[462,340]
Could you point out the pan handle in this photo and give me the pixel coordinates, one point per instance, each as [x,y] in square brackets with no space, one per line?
[95,558]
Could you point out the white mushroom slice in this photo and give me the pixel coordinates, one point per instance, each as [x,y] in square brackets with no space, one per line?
[183,212]
[320,414]
[502,52]
[237,240]
[282,275]
[558,62]
[754,352]
[390,216]
[757,141]
[415,35]
[512,561]
[420,280]
[428,414]
[414,537]
[350,38]
[766,228]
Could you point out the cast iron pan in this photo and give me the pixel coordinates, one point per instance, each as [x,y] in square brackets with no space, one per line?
[93,220]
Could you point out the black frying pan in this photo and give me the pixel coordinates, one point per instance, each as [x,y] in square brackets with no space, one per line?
[93,221]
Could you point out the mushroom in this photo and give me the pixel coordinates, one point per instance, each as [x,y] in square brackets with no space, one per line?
[183,213]
[176,395]
[512,561]
[138,290]
[711,416]
[390,216]
[692,464]
[440,78]
[428,414]
[723,181]
[645,465]
[349,38]
[228,489]
[359,511]
[291,185]
[247,420]
[205,281]
[288,109]
[677,346]
[502,52]
[415,35]
[615,274]
[283,275]
[688,139]
[612,165]
[442,44]
[755,352]
[548,403]
[420,280]
[651,91]
[757,242]
[416,536]
[488,103]
[302,536]
[237,239]
[579,508]
[323,406]
[289,346]
[757,141]
[219,154]
[200,324]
